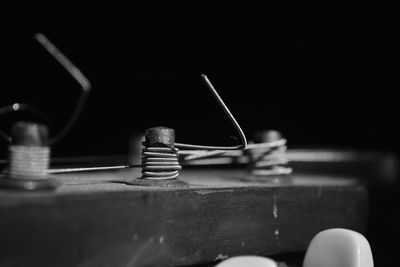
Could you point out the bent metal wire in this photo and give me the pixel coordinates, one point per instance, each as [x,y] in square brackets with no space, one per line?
[238,129]
[188,152]
[28,165]
[161,163]
[209,155]
[78,76]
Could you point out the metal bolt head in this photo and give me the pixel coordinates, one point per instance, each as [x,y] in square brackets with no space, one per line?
[267,136]
[29,134]
[160,135]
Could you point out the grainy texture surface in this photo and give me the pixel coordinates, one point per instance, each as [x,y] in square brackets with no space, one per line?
[95,219]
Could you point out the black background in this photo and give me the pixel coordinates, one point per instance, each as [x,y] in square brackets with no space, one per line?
[322,79]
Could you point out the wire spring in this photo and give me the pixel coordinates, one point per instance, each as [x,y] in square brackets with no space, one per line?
[160,162]
[268,160]
[29,162]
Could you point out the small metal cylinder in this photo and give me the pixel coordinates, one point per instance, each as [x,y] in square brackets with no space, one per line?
[267,136]
[29,134]
[160,135]
[29,159]
[28,162]
[159,156]
[269,159]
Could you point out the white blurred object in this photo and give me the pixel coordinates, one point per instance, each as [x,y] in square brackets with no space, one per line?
[244,261]
[338,248]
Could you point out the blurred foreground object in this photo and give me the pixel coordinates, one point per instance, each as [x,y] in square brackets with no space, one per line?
[29,159]
[339,248]
[330,248]
[242,261]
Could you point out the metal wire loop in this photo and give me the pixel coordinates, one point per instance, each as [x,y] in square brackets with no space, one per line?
[238,129]
[76,73]
[78,76]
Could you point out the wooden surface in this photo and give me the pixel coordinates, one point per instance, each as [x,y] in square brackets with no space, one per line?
[95,219]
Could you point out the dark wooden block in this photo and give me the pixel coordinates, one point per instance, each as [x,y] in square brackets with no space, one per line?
[95,219]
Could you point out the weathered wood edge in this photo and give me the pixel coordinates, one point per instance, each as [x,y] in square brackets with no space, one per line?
[173,227]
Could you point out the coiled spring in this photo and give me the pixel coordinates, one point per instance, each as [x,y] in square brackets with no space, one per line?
[263,159]
[160,162]
[29,162]
[267,159]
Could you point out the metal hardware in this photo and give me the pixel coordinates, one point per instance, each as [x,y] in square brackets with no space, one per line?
[28,159]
